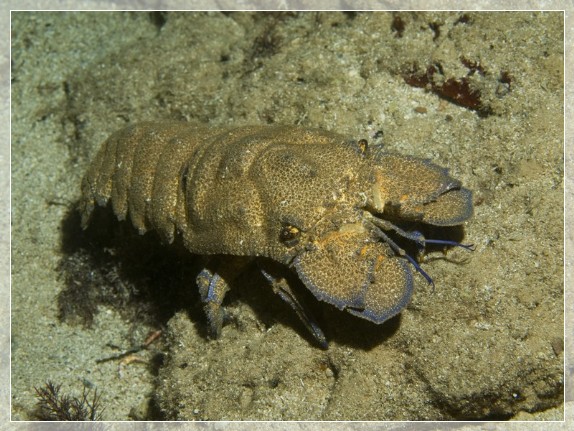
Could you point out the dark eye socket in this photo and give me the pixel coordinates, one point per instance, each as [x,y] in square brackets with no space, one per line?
[363,145]
[289,235]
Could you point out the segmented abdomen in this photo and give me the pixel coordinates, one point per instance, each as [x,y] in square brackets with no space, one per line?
[139,168]
[216,186]
[226,190]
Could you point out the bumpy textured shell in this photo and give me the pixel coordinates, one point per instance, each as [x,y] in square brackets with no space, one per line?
[228,191]
[315,201]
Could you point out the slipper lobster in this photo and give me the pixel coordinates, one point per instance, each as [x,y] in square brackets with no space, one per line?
[323,205]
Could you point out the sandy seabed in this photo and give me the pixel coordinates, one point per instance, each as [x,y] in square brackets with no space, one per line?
[487,344]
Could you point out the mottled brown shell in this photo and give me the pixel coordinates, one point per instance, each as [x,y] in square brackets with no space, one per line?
[312,200]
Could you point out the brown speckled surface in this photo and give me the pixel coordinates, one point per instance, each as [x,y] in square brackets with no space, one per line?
[485,344]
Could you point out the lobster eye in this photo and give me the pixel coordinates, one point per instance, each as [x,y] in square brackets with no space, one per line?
[289,235]
[363,145]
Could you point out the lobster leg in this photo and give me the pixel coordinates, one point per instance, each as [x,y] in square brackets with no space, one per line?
[281,287]
[212,289]
[213,282]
